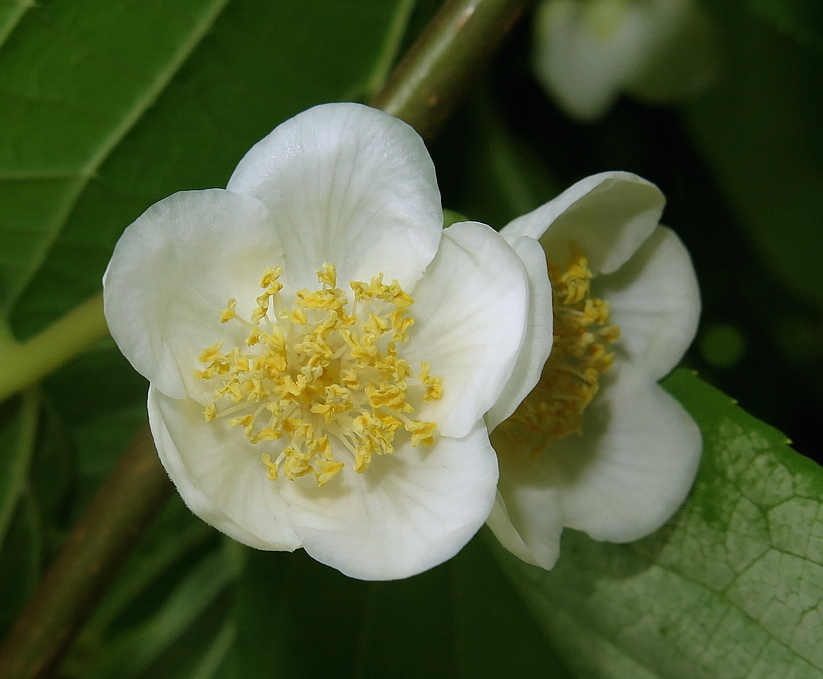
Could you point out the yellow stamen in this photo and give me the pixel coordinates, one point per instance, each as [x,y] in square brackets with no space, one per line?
[315,373]
[571,377]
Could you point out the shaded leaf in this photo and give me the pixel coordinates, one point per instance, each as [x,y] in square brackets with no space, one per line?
[123,120]
[759,128]
[459,620]
[731,587]
[800,18]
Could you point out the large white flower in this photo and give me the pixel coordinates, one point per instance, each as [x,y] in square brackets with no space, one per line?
[589,51]
[598,445]
[293,408]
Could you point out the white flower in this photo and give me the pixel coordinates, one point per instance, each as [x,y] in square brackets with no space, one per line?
[293,409]
[598,445]
[589,51]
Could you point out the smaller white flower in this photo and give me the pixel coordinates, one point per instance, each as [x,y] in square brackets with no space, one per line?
[321,351]
[598,445]
[589,51]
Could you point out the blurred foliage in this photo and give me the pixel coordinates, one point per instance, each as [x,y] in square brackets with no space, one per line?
[110,105]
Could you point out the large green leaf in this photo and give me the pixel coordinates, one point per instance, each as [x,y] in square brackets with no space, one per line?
[110,106]
[75,79]
[731,587]
[296,618]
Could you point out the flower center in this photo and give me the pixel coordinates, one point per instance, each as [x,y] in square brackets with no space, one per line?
[571,377]
[318,372]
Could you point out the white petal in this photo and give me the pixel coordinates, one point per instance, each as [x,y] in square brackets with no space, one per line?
[172,272]
[527,518]
[537,341]
[349,185]
[633,465]
[220,474]
[586,52]
[608,215]
[470,315]
[655,301]
[407,513]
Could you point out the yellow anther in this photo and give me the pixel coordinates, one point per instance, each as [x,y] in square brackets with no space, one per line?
[271,276]
[228,313]
[296,464]
[296,316]
[421,432]
[270,466]
[434,385]
[266,435]
[400,324]
[325,470]
[571,376]
[398,296]
[327,275]
[212,353]
[253,338]
[317,373]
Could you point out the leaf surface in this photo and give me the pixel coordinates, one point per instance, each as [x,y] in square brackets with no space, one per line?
[731,587]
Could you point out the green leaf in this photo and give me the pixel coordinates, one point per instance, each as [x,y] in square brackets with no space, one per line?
[800,18]
[75,79]
[459,620]
[142,646]
[730,587]
[109,106]
[759,129]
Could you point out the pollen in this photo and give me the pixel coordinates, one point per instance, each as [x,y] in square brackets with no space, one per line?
[324,374]
[580,355]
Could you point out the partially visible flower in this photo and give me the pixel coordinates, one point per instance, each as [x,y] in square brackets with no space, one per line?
[589,51]
[598,445]
[321,352]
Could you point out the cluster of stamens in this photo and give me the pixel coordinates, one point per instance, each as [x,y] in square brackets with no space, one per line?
[580,355]
[320,372]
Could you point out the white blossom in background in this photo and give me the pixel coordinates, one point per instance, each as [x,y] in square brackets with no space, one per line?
[322,353]
[598,445]
[587,52]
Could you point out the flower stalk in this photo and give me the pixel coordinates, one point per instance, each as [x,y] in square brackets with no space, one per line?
[433,76]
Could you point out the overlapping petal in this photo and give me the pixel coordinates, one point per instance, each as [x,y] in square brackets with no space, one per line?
[608,215]
[172,271]
[635,458]
[350,185]
[409,513]
[219,474]
[632,466]
[475,319]
[537,338]
[655,302]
